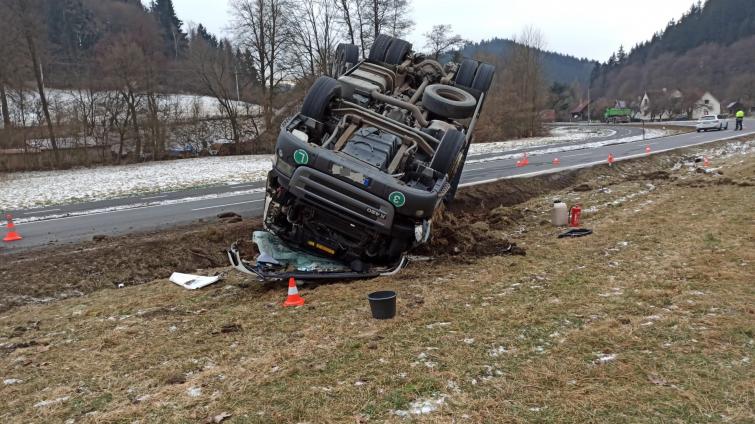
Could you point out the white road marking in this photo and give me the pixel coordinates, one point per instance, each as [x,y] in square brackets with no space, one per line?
[227,204]
[36,212]
[154,197]
[578,154]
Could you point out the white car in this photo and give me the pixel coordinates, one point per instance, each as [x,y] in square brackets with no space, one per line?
[711,122]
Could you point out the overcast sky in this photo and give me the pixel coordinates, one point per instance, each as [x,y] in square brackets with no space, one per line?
[582,28]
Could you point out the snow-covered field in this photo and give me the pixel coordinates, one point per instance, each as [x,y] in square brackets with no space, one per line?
[25,106]
[45,188]
[557,135]
[34,189]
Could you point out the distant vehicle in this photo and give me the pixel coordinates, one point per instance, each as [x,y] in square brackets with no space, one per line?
[712,122]
[615,114]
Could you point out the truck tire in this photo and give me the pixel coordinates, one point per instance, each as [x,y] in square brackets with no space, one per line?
[380,48]
[483,77]
[448,101]
[318,98]
[347,55]
[448,151]
[397,51]
[466,73]
[449,197]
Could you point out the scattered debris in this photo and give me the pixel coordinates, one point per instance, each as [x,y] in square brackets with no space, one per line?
[576,232]
[46,403]
[194,391]
[421,406]
[192,282]
[605,358]
[12,381]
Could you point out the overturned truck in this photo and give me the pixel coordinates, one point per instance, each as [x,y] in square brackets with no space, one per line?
[360,171]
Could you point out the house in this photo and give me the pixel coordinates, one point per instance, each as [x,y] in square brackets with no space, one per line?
[734,107]
[707,104]
[579,113]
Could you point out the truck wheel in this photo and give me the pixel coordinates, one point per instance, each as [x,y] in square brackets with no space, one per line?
[466,72]
[448,101]
[347,55]
[483,77]
[318,98]
[380,48]
[447,151]
[449,198]
[397,51]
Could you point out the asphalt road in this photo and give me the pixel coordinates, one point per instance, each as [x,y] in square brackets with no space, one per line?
[73,223]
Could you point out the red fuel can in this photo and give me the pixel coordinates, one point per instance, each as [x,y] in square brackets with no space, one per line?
[574,214]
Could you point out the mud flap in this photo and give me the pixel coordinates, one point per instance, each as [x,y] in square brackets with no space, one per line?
[272,270]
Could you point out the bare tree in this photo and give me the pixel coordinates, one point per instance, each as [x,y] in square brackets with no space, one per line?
[262,27]
[525,78]
[131,62]
[313,44]
[214,70]
[439,40]
[31,27]
[518,92]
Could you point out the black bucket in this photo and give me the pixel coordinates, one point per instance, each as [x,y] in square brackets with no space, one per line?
[382,304]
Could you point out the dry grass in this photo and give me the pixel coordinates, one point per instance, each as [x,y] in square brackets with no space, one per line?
[662,292]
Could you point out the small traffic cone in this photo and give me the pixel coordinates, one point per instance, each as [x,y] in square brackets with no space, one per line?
[526,160]
[610,159]
[647,149]
[556,161]
[293,298]
[519,164]
[706,162]
[12,234]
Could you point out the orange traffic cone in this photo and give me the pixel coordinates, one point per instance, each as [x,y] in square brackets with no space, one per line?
[12,234]
[293,298]
[556,161]
[610,159]
[526,160]
[647,149]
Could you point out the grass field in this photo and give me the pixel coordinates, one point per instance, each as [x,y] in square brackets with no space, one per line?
[650,319]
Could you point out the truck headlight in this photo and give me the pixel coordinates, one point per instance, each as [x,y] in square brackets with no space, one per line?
[283,166]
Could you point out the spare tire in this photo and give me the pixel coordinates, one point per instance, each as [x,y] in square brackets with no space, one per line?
[448,101]
[448,151]
[483,77]
[347,55]
[318,98]
[379,48]
[466,72]
[397,51]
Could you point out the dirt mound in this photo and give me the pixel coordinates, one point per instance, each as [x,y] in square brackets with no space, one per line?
[456,235]
[67,271]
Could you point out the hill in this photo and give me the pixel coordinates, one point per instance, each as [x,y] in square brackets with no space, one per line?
[558,67]
[711,47]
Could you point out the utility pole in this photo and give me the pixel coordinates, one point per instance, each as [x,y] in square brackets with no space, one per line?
[588,104]
[236,72]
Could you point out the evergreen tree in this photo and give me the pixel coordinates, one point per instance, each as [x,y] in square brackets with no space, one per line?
[206,36]
[621,56]
[176,40]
